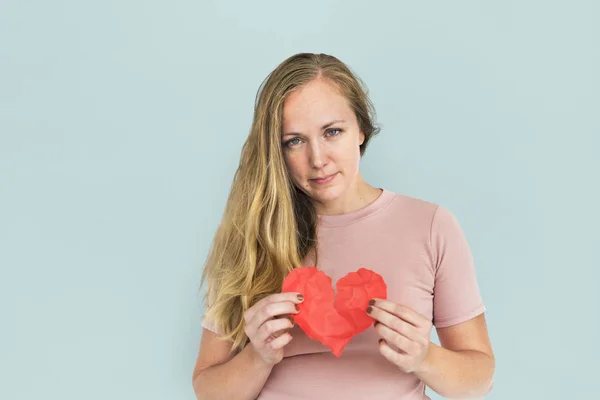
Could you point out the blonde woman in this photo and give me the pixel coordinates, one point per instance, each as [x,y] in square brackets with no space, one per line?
[298,199]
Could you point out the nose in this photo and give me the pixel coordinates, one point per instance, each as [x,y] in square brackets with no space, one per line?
[317,156]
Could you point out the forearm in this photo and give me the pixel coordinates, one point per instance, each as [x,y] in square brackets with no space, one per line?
[240,378]
[457,374]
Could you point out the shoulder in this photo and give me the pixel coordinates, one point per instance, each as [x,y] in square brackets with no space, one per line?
[412,208]
[429,218]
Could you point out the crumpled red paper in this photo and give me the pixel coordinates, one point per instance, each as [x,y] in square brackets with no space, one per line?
[334,322]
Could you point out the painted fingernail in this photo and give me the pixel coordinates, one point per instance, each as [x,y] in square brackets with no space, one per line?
[369,309]
[372,302]
[300,297]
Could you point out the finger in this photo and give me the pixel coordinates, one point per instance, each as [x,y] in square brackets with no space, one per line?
[398,359]
[269,311]
[288,317]
[406,313]
[396,339]
[394,323]
[271,327]
[293,297]
[279,333]
[279,342]
[276,310]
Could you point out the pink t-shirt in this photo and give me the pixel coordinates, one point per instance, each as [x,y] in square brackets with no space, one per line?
[422,254]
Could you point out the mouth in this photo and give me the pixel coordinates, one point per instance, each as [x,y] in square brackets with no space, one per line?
[324,179]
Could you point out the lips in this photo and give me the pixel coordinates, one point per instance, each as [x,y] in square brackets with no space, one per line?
[324,179]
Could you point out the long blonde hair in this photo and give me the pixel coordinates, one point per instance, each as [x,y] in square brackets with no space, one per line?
[269,225]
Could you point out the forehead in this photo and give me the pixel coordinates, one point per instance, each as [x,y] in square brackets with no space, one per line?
[313,105]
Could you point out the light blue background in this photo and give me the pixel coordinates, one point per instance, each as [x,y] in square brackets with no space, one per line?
[121,124]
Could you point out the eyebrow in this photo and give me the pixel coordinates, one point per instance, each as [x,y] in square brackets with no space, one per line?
[327,125]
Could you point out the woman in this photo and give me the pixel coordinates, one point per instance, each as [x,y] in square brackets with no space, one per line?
[298,199]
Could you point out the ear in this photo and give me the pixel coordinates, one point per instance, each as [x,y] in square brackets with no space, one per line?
[361,138]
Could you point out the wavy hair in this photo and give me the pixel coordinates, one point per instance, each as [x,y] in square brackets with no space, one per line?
[269,225]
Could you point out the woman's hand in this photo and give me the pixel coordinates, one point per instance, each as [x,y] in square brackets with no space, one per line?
[267,322]
[404,334]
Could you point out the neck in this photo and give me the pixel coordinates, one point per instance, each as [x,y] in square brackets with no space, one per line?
[358,196]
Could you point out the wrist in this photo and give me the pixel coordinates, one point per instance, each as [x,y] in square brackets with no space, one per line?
[256,359]
[428,361]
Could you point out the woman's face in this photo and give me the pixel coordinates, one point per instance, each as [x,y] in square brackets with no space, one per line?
[321,139]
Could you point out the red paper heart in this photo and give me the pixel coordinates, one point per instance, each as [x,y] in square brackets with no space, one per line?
[334,323]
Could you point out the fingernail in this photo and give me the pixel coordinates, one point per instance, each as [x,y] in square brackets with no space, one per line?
[300,297]
[372,302]
[297,309]
[369,310]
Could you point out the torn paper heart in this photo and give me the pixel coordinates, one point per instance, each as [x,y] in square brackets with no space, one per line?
[334,323]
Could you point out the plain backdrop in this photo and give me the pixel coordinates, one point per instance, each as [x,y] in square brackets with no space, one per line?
[121,126]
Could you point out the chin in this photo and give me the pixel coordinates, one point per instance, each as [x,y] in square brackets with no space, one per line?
[325,194]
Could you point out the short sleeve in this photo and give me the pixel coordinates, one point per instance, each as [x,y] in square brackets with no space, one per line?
[208,323]
[456,295]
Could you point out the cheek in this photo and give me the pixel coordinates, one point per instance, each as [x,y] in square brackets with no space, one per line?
[350,157]
[295,165]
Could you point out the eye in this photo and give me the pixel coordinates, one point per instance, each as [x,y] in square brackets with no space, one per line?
[291,142]
[336,131]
